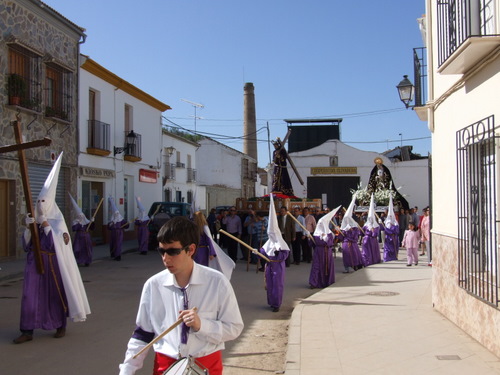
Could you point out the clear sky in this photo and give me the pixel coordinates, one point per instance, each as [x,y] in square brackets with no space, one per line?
[306,59]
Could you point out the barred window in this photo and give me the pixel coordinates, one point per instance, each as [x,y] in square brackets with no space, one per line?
[478,268]
[23,80]
[58,92]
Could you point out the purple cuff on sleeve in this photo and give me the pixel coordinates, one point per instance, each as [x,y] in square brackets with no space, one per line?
[143,335]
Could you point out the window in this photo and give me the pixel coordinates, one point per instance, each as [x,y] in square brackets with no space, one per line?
[128,118]
[58,92]
[477,150]
[23,80]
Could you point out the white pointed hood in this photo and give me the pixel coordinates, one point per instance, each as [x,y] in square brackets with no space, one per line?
[347,221]
[143,216]
[323,227]
[371,220]
[391,220]
[221,262]
[78,305]
[113,211]
[275,241]
[80,216]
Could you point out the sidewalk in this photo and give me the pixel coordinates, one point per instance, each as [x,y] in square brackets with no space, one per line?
[380,320]
[15,269]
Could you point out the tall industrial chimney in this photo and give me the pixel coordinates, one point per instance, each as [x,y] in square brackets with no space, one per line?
[249,122]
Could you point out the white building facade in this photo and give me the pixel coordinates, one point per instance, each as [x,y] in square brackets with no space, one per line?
[120,145]
[463,113]
[225,173]
[179,171]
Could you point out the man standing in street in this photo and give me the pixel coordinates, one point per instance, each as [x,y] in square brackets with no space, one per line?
[233,226]
[202,298]
[287,228]
[296,243]
[310,224]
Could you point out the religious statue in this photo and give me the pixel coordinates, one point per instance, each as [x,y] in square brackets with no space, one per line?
[281,178]
[381,179]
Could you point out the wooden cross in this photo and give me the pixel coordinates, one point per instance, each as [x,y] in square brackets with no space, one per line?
[20,147]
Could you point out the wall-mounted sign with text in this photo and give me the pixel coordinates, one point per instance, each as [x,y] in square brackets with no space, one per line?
[334,170]
[146,175]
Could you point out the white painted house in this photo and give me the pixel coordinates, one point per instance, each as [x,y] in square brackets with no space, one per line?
[179,172]
[225,173]
[463,58]
[120,144]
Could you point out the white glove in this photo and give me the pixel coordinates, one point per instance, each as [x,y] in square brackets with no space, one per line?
[92,220]
[29,220]
[307,233]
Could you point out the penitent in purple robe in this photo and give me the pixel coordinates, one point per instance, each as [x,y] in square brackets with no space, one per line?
[323,267]
[351,255]
[82,243]
[116,237]
[142,235]
[204,250]
[391,243]
[275,277]
[44,304]
[370,251]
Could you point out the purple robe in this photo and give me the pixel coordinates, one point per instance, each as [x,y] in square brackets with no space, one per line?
[142,235]
[391,243]
[82,243]
[275,277]
[44,304]
[351,255]
[370,251]
[116,237]
[323,266]
[204,250]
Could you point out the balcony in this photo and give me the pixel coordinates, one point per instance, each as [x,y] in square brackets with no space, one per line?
[465,34]
[420,79]
[191,175]
[169,171]
[180,165]
[23,92]
[99,139]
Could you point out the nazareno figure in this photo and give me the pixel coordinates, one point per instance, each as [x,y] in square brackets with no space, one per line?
[281,178]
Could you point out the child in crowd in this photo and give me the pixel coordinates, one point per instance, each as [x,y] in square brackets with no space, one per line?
[411,240]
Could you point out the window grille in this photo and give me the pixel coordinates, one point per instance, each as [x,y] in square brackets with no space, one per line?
[24,78]
[477,150]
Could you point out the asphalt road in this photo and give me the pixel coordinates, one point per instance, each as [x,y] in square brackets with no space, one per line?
[98,345]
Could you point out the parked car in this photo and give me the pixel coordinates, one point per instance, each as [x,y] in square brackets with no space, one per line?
[160,213]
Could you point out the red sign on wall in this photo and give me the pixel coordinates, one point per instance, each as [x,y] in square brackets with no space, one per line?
[149,176]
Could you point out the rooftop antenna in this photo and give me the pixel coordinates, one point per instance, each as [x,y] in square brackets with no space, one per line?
[195,106]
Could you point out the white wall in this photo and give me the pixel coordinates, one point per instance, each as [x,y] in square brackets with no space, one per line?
[218,165]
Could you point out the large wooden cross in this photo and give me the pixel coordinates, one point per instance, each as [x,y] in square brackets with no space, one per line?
[20,147]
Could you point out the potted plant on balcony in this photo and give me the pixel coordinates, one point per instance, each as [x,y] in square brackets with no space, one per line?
[16,89]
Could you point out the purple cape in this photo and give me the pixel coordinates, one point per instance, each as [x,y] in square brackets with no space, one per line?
[323,266]
[82,243]
[370,250]
[275,277]
[391,243]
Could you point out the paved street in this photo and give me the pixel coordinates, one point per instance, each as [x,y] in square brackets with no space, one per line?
[97,346]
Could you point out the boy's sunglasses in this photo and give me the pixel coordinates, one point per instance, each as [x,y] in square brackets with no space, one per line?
[172,251]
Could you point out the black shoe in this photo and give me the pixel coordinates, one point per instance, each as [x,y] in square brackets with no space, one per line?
[262,269]
[118,258]
[243,258]
[408,265]
[143,253]
[61,332]
[23,338]
[276,309]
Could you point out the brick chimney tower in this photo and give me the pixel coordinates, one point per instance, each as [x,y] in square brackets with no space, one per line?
[249,121]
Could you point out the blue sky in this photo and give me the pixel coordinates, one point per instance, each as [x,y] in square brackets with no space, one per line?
[306,59]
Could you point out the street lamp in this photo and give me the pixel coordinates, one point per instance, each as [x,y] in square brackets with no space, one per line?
[170,150]
[406,90]
[129,144]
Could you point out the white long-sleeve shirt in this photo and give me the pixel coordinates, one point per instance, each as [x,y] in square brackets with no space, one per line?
[161,301]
